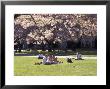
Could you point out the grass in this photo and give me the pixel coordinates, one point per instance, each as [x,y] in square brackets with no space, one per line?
[24,66]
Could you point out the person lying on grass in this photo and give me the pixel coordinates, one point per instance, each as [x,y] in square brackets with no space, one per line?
[45,58]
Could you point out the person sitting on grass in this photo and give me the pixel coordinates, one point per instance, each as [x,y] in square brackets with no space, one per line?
[40,56]
[46,60]
[55,61]
[49,60]
[52,59]
[69,60]
[79,56]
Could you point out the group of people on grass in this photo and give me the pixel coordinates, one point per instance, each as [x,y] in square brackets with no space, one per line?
[48,59]
[51,59]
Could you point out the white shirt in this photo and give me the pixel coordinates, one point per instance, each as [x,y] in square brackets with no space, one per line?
[44,59]
[79,56]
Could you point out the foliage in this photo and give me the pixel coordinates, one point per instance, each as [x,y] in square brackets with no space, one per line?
[55,28]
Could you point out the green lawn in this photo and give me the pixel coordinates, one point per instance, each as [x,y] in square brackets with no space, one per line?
[24,66]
